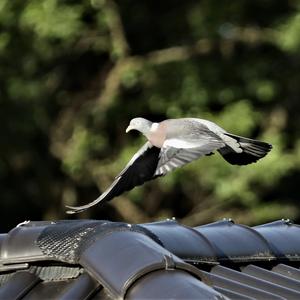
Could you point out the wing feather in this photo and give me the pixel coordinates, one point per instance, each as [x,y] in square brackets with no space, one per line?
[172,158]
[140,168]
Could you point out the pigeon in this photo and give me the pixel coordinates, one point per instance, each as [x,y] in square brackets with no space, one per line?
[174,143]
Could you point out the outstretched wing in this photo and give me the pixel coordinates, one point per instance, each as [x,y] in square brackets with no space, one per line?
[140,168]
[173,157]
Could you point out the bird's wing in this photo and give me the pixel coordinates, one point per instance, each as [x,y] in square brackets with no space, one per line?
[183,152]
[140,168]
[186,140]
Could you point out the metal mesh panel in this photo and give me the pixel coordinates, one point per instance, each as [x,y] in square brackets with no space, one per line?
[56,273]
[66,240]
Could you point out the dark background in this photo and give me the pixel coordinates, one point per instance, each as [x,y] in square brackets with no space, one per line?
[73,74]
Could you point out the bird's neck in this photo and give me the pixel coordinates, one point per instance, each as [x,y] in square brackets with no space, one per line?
[147,130]
[153,127]
[156,135]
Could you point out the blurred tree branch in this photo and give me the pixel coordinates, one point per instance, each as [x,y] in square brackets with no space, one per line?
[125,62]
[120,47]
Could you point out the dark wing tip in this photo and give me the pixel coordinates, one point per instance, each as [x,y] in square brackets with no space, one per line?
[240,159]
[74,209]
[141,169]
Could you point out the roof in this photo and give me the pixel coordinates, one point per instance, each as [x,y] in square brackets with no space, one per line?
[91,259]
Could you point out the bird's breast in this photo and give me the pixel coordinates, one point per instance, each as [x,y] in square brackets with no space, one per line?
[158,136]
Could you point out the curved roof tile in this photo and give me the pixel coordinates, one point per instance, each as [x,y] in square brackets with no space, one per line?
[86,259]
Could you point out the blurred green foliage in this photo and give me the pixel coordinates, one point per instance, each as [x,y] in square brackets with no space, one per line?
[73,74]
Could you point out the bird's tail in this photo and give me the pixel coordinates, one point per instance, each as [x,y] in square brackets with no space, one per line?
[253,150]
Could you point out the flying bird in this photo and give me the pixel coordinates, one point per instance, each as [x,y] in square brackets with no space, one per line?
[173,143]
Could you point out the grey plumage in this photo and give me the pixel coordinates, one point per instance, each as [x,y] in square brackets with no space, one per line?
[173,143]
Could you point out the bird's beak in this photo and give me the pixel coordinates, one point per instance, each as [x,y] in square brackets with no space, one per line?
[129,128]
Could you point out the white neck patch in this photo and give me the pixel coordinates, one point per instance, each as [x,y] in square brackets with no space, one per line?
[154,126]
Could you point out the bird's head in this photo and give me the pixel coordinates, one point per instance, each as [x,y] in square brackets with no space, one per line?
[140,124]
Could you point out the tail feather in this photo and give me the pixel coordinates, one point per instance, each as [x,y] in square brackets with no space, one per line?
[253,150]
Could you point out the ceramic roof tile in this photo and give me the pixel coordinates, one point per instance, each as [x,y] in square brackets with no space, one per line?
[90,259]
